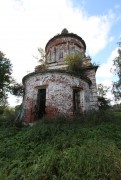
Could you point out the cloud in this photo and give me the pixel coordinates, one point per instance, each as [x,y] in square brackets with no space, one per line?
[27,25]
[96,32]
[105,74]
[106,69]
[13,101]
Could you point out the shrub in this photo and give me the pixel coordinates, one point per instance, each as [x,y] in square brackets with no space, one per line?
[2,109]
[8,117]
[40,68]
[74,61]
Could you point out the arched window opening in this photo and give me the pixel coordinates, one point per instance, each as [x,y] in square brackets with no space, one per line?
[76,100]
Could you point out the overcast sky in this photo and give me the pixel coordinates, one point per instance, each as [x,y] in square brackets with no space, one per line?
[29,24]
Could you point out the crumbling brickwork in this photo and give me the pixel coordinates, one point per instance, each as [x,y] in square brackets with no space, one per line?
[56,91]
[59,93]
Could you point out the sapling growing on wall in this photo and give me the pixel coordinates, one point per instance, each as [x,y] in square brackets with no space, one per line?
[41,58]
[74,61]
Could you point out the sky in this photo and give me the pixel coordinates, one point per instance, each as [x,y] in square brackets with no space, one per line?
[27,25]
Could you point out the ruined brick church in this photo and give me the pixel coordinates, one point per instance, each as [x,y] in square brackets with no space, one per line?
[55,90]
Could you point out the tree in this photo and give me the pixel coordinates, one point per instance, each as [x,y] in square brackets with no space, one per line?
[102,90]
[117,85]
[17,89]
[102,100]
[41,58]
[7,83]
[5,78]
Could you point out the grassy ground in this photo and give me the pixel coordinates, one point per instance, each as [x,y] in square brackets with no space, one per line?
[117,114]
[89,150]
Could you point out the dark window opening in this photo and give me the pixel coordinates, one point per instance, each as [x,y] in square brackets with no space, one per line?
[76,100]
[61,55]
[41,103]
[72,49]
[54,60]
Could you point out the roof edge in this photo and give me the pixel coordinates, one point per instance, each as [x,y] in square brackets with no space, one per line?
[86,79]
[66,35]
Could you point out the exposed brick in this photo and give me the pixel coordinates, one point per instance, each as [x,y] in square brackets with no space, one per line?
[59,85]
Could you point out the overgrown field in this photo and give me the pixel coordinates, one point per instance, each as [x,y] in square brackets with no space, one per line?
[82,149]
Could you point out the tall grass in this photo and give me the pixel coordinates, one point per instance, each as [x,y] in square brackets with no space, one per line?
[62,150]
[9,115]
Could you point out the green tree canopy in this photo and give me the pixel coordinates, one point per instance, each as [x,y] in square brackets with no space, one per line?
[7,83]
[102,90]
[117,84]
[102,100]
[5,78]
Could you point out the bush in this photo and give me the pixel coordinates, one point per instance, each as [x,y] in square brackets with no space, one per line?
[2,109]
[41,67]
[74,62]
[9,116]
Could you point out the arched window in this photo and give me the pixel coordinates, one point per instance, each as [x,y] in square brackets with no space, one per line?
[61,54]
[54,54]
[72,49]
[76,100]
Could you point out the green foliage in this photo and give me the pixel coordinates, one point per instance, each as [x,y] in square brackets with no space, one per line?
[96,117]
[102,90]
[2,109]
[74,62]
[117,85]
[62,150]
[117,114]
[9,115]
[17,89]
[116,107]
[41,67]
[103,102]
[7,83]
[5,78]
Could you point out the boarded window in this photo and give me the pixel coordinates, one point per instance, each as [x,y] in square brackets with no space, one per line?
[76,100]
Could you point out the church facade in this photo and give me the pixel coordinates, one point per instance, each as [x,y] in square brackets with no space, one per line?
[55,90]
